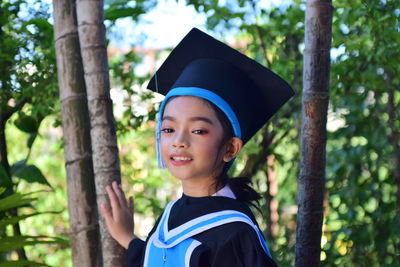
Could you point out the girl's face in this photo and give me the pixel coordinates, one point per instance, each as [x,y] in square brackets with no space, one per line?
[191,139]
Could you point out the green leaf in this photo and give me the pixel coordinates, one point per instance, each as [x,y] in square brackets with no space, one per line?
[14,219]
[9,243]
[17,166]
[117,13]
[32,174]
[21,264]
[29,173]
[15,200]
[26,123]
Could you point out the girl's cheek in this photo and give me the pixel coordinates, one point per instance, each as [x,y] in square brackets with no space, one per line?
[163,139]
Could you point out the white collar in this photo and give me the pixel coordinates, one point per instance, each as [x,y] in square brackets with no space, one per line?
[226,191]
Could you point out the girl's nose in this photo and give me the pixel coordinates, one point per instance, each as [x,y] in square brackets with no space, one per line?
[180,141]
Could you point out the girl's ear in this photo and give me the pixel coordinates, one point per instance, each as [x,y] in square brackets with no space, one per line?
[233,147]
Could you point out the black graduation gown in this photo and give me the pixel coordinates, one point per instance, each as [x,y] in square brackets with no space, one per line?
[232,244]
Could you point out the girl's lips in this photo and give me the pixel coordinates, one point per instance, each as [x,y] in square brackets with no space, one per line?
[179,159]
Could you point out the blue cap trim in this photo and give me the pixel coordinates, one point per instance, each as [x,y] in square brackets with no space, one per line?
[202,93]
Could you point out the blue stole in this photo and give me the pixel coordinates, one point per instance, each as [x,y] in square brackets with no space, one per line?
[173,248]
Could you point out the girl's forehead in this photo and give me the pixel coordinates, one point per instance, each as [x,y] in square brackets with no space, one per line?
[189,103]
[190,108]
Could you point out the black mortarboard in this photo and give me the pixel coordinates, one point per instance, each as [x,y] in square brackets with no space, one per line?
[200,63]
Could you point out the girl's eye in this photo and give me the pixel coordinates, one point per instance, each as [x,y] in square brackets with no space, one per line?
[167,130]
[200,131]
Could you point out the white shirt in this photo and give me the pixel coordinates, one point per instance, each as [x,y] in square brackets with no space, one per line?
[226,191]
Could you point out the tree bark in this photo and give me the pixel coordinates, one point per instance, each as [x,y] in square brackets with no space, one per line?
[3,147]
[318,31]
[273,203]
[104,141]
[84,233]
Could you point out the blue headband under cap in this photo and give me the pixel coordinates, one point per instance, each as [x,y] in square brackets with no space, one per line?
[198,92]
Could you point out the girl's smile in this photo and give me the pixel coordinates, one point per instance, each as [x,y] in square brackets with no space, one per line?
[191,137]
[180,159]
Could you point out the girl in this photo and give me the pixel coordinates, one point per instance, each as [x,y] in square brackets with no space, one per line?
[215,100]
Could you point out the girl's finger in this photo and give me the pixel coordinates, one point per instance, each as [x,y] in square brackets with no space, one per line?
[120,194]
[131,204]
[115,206]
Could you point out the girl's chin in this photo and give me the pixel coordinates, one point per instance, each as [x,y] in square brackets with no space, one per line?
[182,176]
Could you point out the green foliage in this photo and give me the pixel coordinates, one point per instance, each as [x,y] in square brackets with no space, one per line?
[28,94]
[27,59]
[47,154]
[362,222]
[15,200]
[126,82]
[29,173]
[27,77]
[21,264]
[8,243]
[124,8]
[15,242]
[13,220]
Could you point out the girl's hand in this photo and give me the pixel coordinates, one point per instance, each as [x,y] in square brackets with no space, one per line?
[119,219]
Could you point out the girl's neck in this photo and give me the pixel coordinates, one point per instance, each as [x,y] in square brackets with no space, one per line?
[199,188]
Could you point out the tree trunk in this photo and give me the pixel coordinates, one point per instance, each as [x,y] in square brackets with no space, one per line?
[273,202]
[318,31]
[86,249]
[3,146]
[104,141]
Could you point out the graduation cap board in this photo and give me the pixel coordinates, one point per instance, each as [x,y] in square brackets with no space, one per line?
[247,92]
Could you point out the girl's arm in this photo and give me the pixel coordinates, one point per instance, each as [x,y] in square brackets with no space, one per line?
[119,219]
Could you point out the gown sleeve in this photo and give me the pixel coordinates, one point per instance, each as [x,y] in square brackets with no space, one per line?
[135,252]
[137,248]
[241,248]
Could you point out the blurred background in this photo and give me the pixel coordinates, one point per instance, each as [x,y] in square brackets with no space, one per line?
[361,208]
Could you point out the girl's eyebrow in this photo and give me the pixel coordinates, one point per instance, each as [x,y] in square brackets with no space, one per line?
[196,118]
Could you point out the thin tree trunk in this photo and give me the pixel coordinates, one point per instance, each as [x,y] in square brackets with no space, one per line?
[84,233]
[3,146]
[318,31]
[273,204]
[104,141]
